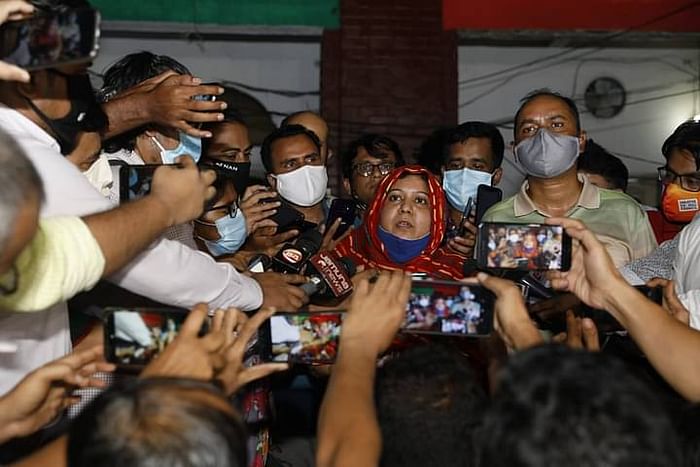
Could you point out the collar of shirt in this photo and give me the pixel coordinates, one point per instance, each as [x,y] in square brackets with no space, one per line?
[19,126]
[125,155]
[588,199]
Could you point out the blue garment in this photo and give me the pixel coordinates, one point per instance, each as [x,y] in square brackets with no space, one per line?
[401,250]
[188,146]
[232,235]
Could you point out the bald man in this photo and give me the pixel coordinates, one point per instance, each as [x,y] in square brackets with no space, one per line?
[314,122]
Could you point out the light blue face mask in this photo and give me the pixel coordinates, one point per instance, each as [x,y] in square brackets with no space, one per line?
[188,146]
[460,185]
[232,234]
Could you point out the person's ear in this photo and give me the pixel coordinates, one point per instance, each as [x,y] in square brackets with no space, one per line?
[582,138]
[272,181]
[496,178]
[346,186]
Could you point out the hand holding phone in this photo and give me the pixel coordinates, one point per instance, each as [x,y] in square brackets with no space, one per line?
[303,338]
[511,318]
[377,311]
[448,308]
[345,210]
[135,336]
[525,247]
[47,41]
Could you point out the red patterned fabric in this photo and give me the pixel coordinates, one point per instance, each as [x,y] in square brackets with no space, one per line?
[364,247]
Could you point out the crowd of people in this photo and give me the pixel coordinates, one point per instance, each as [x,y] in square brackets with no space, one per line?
[214,386]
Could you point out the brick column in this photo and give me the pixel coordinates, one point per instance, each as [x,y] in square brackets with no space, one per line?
[389,69]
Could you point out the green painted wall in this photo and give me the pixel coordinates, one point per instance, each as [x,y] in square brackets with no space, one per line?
[323,13]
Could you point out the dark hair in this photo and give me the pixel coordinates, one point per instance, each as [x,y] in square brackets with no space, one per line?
[376,145]
[281,133]
[58,6]
[230,116]
[148,422]
[429,405]
[685,136]
[596,160]
[463,132]
[19,181]
[547,93]
[429,153]
[557,406]
[126,73]
[688,422]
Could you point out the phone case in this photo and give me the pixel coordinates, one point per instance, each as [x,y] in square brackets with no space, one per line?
[547,256]
[448,308]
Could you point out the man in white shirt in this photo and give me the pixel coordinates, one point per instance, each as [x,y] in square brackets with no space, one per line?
[46,117]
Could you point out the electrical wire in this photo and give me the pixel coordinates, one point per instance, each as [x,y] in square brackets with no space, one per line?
[594,48]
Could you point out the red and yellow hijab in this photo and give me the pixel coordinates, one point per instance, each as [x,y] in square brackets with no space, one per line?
[364,247]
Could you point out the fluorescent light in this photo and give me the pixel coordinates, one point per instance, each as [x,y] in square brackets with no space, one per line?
[696,118]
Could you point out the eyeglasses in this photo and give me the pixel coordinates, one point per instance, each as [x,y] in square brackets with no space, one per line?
[10,281]
[231,209]
[365,169]
[689,182]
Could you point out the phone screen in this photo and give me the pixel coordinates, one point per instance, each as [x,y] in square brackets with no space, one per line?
[449,308]
[305,338]
[134,336]
[45,41]
[527,247]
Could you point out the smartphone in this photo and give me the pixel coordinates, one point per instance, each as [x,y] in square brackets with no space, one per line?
[486,196]
[462,230]
[287,218]
[135,336]
[448,308]
[303,338]
[346,210]
[206,97]
[524,247]
[47,41]
[134,181]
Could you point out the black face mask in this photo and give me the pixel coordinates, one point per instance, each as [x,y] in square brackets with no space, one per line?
[85,112]
[237,172]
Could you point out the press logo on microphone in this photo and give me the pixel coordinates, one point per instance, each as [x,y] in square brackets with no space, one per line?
[292,255]
[336,278]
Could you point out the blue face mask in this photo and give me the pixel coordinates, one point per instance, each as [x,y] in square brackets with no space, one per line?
[188,146]
[232,234]
[401,250]
[460,185]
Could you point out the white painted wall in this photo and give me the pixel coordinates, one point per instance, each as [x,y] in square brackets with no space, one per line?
[272,65]
[639,130]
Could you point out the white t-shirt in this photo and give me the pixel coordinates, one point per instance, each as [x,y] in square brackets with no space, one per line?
[686,270]
[167,271]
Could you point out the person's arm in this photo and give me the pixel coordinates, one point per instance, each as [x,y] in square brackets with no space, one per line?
[348,430]
[165,99]
[177,196]
[670,346]
[54,454]
[511,319]
[167,271]
[43,394]
[68,256]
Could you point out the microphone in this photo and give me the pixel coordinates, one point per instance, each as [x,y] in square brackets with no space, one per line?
[259,263]
[329,278]
[293,256]
[470,267]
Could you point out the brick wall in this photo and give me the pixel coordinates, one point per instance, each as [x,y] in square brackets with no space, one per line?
[389,69]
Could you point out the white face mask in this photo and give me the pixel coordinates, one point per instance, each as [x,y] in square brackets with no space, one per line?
[305,186]
[100,175]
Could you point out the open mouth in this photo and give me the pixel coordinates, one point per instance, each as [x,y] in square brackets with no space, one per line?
[404,224]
